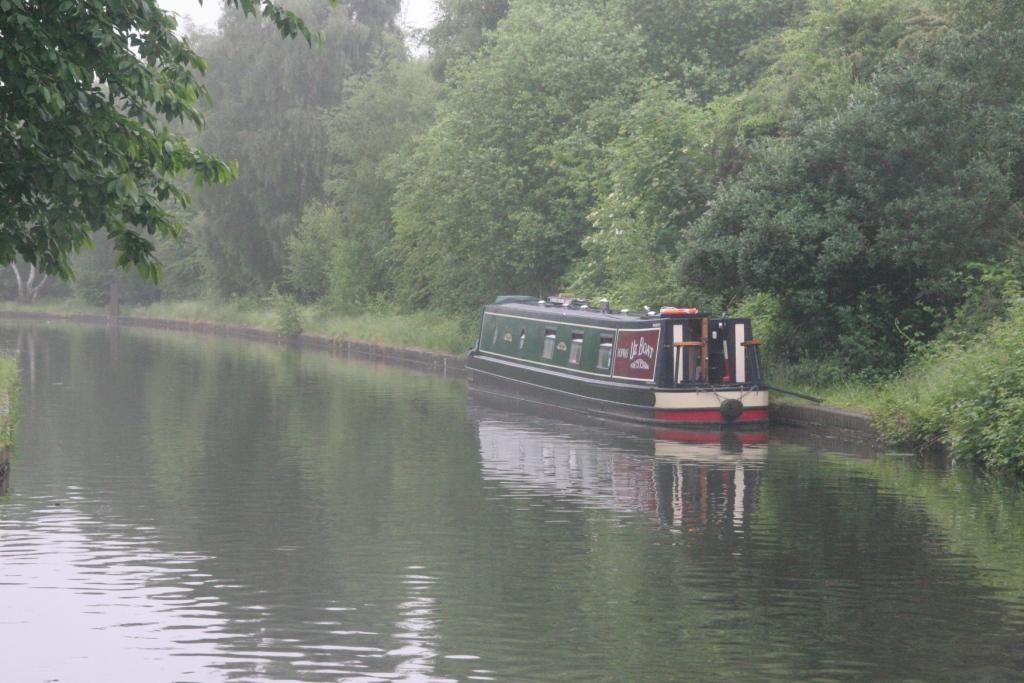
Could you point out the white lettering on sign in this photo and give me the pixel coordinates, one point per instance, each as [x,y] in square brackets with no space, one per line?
[640,354]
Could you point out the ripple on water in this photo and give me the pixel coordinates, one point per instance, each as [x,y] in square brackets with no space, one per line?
[249,513]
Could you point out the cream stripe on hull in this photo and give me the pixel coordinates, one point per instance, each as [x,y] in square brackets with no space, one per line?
[703,400]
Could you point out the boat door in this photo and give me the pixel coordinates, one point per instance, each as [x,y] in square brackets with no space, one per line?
[690,350]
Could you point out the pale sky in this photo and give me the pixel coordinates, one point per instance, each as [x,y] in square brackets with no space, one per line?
[415,13]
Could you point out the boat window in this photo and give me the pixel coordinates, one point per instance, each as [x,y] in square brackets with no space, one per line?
[576,348]
[522,338]
[494,338]
[549,344]
[604,353]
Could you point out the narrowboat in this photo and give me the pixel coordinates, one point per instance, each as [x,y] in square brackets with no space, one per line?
[670,368]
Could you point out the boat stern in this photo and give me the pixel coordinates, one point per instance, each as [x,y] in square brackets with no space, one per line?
[715,406]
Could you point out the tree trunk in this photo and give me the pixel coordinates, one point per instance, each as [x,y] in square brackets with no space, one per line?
[28,288]
[21,283]
[32,287]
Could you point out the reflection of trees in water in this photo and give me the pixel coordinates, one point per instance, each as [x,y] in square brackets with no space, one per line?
[25,352]
[797,556]
[348,513]
[5,470]
[272,467]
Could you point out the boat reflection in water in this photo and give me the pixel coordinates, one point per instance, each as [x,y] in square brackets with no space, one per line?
[688,480]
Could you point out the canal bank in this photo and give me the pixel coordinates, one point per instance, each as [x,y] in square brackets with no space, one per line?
[827,422]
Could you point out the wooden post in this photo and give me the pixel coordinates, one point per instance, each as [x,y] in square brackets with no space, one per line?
[704,350]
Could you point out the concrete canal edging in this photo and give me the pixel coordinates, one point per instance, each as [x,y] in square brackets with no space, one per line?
[445,364]
[845,425]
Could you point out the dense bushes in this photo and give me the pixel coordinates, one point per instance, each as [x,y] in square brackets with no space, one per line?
[969,396]
[863,220]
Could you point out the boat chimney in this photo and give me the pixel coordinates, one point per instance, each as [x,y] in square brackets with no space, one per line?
[604,306]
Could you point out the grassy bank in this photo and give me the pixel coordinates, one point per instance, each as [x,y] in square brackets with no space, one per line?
[967,396]
[848,393]
[8,400]
[430,331]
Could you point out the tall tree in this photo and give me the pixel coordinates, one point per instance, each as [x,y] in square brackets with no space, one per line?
[496,194]
[659,178]
[460,30]
[343,246]
[87,90]
[701,43]
[861,223]
[269,101]
[673,151]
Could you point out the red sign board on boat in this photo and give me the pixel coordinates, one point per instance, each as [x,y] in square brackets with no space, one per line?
[635,353]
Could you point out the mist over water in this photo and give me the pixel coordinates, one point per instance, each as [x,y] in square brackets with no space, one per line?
[195,509]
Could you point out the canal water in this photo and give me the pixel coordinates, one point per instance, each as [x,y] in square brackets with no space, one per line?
[198,509]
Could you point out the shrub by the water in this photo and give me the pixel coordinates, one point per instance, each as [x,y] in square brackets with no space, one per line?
[968,397]
[287,320]
[8,399]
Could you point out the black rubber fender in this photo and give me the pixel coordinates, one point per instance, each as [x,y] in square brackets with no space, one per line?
[731,409]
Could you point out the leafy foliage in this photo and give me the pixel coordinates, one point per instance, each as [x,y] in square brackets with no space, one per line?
[970,397]
[495,196]
[287,320]
[460,30]
[701,44]
[87,90]
[307,271]
[370,135]
[862,222]
[269,98]
[10,386]
[659,179]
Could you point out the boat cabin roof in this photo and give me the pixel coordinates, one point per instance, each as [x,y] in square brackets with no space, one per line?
[572,312]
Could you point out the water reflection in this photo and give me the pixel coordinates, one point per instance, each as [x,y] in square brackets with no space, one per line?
[696,480]
[5,470]
[114,592]
[200,509]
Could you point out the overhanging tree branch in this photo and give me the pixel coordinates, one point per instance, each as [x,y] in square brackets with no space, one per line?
[87,90]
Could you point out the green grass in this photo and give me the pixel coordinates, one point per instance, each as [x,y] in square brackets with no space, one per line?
[55,306]
[825,380]
[431,331]
[967,396]
[849,393]
[416,330]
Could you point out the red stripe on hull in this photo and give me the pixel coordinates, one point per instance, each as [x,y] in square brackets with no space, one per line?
[705,416]
[709,437]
